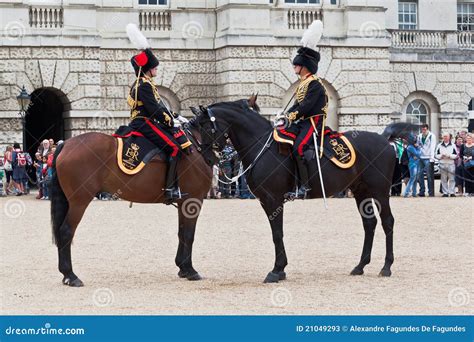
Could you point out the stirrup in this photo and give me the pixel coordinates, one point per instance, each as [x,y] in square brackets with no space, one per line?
[300,193]
[173,194]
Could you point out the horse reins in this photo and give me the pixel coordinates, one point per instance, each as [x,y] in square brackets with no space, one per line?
[265,147]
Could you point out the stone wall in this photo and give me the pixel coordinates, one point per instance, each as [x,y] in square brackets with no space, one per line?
[367,88]
[449,85]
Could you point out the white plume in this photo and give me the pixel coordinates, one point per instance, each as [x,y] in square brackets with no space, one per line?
[136,37]
[312,35]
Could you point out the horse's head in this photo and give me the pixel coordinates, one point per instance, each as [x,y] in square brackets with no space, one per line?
[215,122]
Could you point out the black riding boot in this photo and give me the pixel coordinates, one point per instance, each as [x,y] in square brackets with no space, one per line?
[303,179]
[172,191]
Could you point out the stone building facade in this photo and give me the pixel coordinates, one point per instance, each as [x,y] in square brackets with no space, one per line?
[73,58]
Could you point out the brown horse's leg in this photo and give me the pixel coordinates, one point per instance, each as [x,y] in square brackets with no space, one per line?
[366,210]
[387,224]
[67,230]
[274,210]
[188,213]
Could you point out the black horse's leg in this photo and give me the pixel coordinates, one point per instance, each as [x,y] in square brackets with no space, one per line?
[66,235]
[366,210]
[188,214]
[387,224]
[274,211]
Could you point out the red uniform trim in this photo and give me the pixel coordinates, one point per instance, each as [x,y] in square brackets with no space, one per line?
[291,135]
[178,134]
[134,133]
[164,137]
[305,140]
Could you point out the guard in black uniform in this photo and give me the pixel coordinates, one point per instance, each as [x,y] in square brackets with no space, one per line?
[151,118]
[309,110]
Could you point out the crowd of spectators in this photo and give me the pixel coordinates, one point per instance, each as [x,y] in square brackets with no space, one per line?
[18,165]
[416,160]
[419,156]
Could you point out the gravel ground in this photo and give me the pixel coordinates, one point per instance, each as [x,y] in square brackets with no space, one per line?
[126,259]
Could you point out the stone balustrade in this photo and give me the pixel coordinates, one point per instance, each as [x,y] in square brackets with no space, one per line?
[155,20]
[465,39]
[419,39]
[301,19]
[46,17]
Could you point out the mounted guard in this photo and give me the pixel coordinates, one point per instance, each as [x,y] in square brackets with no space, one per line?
[308,113]
[149,115]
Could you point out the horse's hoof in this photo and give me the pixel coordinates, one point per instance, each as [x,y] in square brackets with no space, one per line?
[194,277]
[281,275]
[385,273]
[272,278]
[182,274]
[357,271]
[73,283]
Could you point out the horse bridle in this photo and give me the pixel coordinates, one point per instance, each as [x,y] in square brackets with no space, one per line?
[217,148]
[215,145]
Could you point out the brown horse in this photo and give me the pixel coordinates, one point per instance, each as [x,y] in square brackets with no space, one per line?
[87,164]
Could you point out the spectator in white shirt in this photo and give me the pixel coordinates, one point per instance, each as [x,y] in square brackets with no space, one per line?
[446,154]
[427,143]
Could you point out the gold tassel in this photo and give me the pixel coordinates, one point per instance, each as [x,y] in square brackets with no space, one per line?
[322,135]
[136,87]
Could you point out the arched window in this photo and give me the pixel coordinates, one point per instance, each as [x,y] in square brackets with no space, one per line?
[417,112]
[421,107]
[471,105]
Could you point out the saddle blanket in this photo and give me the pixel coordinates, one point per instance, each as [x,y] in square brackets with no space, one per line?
[336,147]
[134,151]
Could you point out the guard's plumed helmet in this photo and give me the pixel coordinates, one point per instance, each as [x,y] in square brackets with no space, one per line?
[145,60]
[307,56]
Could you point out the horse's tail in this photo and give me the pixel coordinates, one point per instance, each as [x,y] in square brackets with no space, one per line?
[59,202]
[399,130]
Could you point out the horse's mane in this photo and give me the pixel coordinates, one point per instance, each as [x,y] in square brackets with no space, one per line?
[243,104]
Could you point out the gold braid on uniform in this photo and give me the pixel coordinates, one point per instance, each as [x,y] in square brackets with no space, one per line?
[303,88]
[325,108]
[292,116]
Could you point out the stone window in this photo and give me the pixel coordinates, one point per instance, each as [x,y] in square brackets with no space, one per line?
[417,112]
[152,2]
[407,15]
[302,1]
[465,16]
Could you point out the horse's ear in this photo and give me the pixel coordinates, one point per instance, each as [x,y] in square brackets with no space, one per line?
[253,100]
[195,111]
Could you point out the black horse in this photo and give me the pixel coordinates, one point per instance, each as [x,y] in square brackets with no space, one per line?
[271,174]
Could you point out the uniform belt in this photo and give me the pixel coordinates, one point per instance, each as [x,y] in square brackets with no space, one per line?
[312,116]
[146,118]
[141,117]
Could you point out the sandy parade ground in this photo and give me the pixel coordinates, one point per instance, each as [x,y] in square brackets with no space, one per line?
[126,259]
